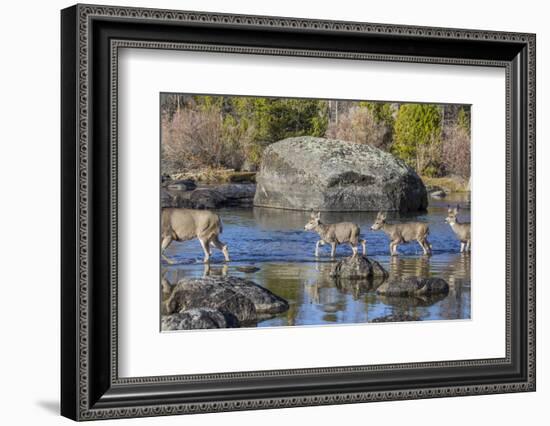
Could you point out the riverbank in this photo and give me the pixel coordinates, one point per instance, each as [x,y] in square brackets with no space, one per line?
[214,176]
[447,184]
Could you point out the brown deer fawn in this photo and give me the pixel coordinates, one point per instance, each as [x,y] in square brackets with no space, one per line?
[403,233]
[335,234]
[186,224]
[461,230]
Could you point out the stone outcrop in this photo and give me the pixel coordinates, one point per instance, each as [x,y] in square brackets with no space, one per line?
[414,286]
[307,173]
[208,196]
[197,319]
[358,267]
[234,297]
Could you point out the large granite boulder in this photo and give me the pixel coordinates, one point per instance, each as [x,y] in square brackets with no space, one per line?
[237,297]
[307,173]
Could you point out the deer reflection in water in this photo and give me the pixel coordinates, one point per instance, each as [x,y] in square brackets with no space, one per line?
[170,277]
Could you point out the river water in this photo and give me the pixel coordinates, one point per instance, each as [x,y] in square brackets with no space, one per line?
[275,242]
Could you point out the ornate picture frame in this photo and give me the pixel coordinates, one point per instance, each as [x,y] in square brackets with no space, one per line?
[91,38]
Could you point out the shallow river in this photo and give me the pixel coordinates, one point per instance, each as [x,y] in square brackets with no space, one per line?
[275,241]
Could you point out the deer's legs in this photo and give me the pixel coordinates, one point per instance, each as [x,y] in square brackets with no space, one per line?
[462,245]
[425,246]
[393,248]
[332,249]
[467,248]
[319,243]
[354,249]
[206,249]
[163,246]
[220,246]
[364,245]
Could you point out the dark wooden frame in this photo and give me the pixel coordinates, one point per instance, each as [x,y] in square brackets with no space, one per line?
[91,37]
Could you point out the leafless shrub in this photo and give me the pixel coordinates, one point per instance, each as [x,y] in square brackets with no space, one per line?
[456,151]
[359,125]
[199,138]
[428,157]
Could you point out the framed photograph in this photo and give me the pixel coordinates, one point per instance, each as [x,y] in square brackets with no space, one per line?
[263,212]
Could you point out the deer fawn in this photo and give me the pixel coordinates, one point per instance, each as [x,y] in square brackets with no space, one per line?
[461,230]
[186,224]
[335,234]
[403,233]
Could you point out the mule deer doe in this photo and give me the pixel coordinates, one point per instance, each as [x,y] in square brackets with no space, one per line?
[461,230]
[335,234]
[403,233]
[186,224]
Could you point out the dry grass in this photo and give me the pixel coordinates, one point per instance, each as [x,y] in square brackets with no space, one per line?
[456,151]
[447,183]
[216,175]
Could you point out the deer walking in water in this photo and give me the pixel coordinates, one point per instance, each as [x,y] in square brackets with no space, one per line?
[335,234]
[403,233]
[186,224]
[461,230]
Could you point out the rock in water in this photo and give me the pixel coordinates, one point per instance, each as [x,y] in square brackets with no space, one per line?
[399,317]
[307,173]
[196,319]
[414,286]
[238,297]
[248,269]
[182,185]
[358,267]
[210,196]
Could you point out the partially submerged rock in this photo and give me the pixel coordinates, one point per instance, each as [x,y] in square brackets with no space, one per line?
[182,185]
[414,286]
[358,267]
[247,269]
[307,173]
[238,297]
[404,303]
[398,317]
[198,318]
[210,196]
